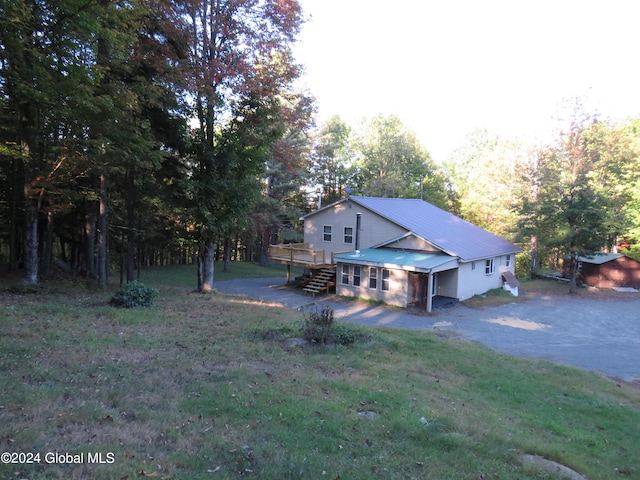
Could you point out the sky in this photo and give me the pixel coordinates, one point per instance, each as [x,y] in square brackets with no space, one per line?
[447,67]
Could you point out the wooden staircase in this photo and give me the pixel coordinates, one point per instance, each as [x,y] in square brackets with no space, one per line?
[321,281]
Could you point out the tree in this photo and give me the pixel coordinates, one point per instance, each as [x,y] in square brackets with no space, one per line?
[574,202]
[392,163]
[483,172]
[45,65]
[629,134]
[239,50]
[277,212]
[330,160]
[90,82]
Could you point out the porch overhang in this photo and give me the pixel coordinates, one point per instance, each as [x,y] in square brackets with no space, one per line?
[419,262]
[416,262]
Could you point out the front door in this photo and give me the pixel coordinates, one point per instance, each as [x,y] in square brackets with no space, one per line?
[419,285]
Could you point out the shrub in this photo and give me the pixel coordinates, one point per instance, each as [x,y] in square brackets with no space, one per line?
[317,325]
[320,327]
[134,294]
[346,334]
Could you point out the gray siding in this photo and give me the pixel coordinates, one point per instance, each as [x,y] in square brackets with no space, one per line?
[475,281]
[374,228]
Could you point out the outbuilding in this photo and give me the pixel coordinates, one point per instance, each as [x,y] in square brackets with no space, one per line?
[609,270]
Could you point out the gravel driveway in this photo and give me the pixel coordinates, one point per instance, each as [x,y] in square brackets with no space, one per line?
[598,335]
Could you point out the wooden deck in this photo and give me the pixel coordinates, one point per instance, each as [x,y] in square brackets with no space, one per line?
[301,255]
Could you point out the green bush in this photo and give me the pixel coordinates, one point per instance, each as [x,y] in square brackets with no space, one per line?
[134,294]
[346,334]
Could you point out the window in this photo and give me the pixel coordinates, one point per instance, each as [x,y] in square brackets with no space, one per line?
[489,266]
[473,265]
[508,262]
[327,233]
[385,279]
[356,275]
[348,234]
[345,274]
[373,278]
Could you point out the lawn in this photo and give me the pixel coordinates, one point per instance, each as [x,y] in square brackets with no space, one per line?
[207,387]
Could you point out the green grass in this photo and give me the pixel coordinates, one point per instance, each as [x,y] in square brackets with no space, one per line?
[204,386]
[185,276]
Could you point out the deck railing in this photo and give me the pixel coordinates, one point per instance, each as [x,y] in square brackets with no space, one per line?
[301,254]
[297,253]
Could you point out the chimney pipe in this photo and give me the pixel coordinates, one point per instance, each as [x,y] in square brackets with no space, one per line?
[358,221]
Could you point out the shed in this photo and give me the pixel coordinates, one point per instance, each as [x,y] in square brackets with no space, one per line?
[610,270]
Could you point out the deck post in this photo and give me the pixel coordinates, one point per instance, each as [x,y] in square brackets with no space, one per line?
[430,293]
[288,273]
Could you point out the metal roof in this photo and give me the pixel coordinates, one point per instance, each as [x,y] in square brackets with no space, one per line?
[599,258]
[444,230]
[384,257]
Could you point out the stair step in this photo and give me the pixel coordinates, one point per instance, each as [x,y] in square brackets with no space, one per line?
[320,282]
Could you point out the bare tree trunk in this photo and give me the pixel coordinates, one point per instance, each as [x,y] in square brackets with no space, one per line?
[13,218]
[31,243]
[47,251]
[91,219]
[208,266]
[103,226]
[573,271]
[227,254]
[131,234]
[199,262]
[534,253]
[31,196]
[264,247]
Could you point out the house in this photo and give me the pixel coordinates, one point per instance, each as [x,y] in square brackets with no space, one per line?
[401,251]
[609,270]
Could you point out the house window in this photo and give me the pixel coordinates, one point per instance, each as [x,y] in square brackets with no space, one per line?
[327,233]
[356,275]
[348,234]
[489,266]
[385,279]
[373,278]
[473,265]
[345,274]
[508,261]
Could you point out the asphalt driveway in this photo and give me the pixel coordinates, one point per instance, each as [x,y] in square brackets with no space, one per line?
[598,335]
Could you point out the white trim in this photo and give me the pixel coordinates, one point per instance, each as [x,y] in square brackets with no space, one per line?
[373,277]
[359,276]
[489,266]
[388,280]
[345,274]
[324,233]
[344,235]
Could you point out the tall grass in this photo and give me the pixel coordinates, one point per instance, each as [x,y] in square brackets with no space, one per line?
[205,386]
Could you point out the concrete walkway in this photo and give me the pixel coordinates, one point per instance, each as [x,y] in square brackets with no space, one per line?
[598,335]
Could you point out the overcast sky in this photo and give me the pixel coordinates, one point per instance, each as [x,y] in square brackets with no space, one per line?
[447,67]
